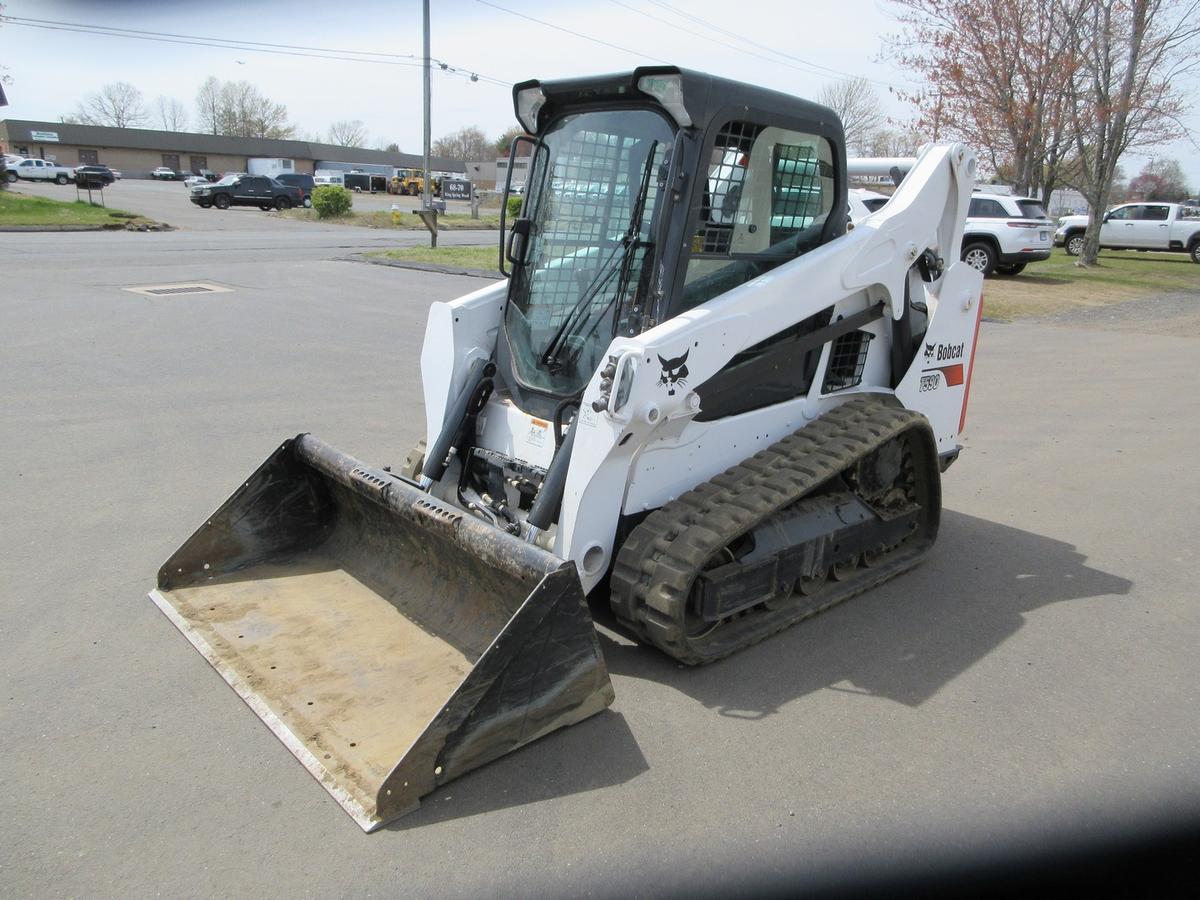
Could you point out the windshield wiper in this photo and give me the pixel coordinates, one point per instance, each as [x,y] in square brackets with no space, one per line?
[629,241]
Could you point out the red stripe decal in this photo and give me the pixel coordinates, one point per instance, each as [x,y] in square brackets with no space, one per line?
[962,419]
[953,374]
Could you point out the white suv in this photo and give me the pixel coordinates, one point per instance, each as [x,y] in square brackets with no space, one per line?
[1005,233]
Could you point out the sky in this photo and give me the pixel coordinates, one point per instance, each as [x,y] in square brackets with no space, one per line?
[52,70]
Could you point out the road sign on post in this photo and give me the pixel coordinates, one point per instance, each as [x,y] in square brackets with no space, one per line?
[456,189]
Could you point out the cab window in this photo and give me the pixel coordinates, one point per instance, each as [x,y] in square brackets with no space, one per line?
[766,199]
[1154,213]
[1125,213]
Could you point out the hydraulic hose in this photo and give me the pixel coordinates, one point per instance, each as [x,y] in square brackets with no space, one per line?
[549,499]
[438,456]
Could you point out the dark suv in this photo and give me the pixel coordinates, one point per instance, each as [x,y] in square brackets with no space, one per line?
[247,190]
[295,179]
[95,176]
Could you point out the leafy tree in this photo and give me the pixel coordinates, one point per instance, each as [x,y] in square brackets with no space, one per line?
[393,147]
[505,140]
[1162,180]
[1134,60]
[994,75]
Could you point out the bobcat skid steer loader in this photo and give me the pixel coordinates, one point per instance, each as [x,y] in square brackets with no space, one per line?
[697,392]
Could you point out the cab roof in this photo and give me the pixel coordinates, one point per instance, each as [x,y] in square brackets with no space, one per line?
[707,98]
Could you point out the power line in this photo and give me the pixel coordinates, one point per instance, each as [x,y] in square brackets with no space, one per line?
[807,68]
[725,31]
[342,55]
[586,37]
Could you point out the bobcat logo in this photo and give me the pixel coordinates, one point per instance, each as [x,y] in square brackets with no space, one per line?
[674,372]
[929,348]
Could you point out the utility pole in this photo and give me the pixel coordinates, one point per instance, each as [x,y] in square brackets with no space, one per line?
[427,213]
[425,191]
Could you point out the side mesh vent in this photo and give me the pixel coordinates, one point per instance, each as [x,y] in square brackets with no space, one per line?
[847,358]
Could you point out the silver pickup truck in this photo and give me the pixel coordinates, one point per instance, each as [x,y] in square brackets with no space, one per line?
[37,170]
[1172,227]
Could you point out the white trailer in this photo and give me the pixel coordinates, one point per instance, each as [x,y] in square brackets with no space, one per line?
[269,167]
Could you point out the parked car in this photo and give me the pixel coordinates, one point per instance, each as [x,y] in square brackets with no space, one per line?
[1004,234]
[1170,227]
[306,184]
[164,173]
[862,203]
[93,174]
[247,190]
[204,176]
[37,170]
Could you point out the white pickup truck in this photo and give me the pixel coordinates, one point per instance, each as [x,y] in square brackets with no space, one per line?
[37,170]
[1138,226]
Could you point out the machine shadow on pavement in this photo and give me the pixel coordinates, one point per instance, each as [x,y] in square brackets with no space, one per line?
[903,641]
[597,753]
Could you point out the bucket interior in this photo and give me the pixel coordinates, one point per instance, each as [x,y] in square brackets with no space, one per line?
[350,639]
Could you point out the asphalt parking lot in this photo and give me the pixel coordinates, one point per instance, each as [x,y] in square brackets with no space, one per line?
[167,201]
[1035,679]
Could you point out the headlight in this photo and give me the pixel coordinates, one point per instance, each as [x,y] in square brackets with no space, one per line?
[667,90]
[529,102]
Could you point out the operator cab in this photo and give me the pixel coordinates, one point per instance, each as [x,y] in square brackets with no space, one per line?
[649,193]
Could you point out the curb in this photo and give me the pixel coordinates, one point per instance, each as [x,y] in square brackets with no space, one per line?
[116,226]
[58,227]
[491,274]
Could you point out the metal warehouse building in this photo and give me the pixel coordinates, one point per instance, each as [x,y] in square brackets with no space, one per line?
[135,152]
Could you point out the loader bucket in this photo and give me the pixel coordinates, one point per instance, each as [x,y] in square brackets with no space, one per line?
[389,640]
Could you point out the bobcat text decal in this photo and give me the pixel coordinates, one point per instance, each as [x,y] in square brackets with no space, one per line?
[931,378]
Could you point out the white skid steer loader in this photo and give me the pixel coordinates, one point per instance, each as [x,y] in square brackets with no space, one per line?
[698,392]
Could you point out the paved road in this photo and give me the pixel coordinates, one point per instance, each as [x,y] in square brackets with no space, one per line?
[167,201]
[1038,673]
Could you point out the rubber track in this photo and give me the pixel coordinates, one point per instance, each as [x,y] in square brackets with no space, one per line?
[662,556]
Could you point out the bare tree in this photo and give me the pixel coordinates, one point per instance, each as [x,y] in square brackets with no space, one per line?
[468,143]
[5,78]
[897,139]
[208,105]
[1135,56]
[118,104]
[170,114]
[236,108]
[391,147]
[857,105]
[348,134]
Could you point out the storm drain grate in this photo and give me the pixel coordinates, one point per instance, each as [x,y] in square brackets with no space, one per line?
[172,290]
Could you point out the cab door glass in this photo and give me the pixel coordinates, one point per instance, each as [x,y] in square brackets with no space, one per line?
[766,200]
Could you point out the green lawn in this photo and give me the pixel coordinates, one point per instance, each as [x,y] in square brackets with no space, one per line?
[1044,288]
[408,220]
[1058,284]
[466,257]
[19,209]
